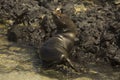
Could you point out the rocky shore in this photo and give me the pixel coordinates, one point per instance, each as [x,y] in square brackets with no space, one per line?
[29,22]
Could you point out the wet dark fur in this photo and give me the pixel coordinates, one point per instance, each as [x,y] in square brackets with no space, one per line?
[57,48]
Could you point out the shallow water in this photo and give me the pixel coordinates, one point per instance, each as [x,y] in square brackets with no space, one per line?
[19,62]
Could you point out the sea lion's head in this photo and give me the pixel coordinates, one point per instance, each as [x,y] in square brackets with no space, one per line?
[57,18]
[63,21]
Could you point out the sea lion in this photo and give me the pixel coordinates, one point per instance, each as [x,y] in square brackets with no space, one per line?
[57,48]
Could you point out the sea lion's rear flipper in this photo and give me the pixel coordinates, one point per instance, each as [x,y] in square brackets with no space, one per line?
[69,62]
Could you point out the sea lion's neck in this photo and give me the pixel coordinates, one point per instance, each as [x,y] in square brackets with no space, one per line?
[69,25]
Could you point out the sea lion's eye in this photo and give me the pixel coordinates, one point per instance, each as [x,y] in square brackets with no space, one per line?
[62,10]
